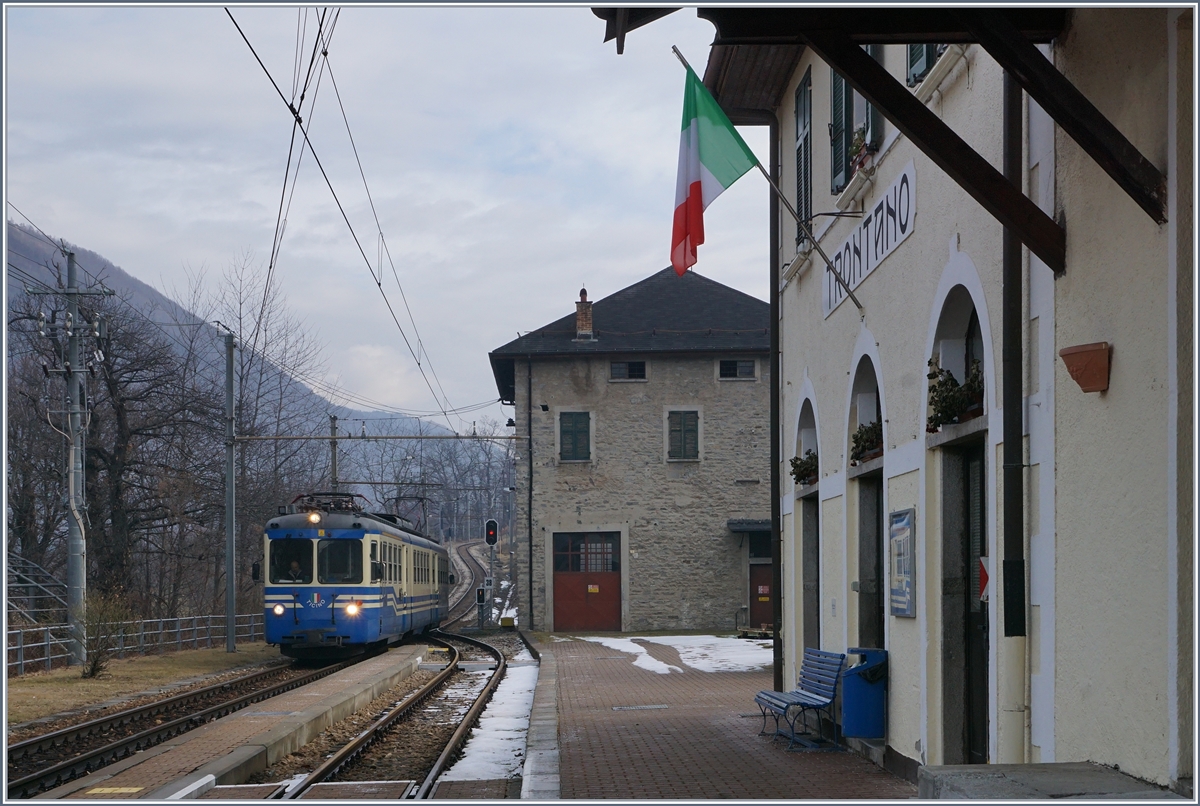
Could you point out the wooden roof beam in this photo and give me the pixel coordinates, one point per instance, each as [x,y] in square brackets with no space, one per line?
[973,173]
[1078,117]
[880,25]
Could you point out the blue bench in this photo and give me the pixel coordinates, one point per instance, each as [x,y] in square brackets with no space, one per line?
[815,691]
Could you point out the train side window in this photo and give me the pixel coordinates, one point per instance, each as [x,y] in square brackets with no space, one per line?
[284,553]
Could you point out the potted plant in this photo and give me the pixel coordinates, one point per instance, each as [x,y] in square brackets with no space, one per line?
[866,443]
[804,471]
[860,149]
[948,401]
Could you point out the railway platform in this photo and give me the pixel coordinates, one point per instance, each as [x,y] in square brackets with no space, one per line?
[229,750]
[621,731]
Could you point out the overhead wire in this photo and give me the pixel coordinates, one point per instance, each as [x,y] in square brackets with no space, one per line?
[346,218]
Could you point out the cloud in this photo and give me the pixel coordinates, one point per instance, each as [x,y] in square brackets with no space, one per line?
[511,156]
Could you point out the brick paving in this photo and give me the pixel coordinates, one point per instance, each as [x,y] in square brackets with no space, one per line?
[700,746]
[498,789]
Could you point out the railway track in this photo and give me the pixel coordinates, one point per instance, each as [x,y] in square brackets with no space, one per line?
[47,761]
[344,759]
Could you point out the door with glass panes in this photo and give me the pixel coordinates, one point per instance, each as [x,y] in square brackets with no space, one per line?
[587,581]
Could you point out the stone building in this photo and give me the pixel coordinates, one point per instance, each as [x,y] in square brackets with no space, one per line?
[644,491]
[1015,202]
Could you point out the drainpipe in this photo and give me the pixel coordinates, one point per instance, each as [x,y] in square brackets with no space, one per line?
[776,434]
[529,507]
[1014,460]
[1011,660]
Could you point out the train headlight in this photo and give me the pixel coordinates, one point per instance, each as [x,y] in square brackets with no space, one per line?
[277,610]
[314,517]
[352,609]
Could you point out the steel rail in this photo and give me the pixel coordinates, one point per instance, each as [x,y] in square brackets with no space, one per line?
[468,722]
[61,738]
[334,764]
[87,762]
[477,574]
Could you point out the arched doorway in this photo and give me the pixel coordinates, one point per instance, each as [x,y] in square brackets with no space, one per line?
[958,358]
[866,471]
[809,511]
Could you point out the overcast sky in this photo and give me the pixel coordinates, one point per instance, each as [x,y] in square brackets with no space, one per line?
[512,157]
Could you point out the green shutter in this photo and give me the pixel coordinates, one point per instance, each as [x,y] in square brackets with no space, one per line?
[574,442]
[675,435]
[837,132]
[691,435]
[804,154]
[920,60]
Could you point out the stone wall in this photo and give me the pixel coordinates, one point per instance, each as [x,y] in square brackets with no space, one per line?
[681,566]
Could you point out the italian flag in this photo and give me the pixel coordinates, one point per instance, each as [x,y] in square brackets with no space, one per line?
[712,156]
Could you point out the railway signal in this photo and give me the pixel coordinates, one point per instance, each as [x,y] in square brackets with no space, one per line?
[490,531]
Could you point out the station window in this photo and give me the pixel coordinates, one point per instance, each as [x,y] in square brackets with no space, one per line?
[627,370]
[575,436]
[737,369]
[683,435]
[587,552]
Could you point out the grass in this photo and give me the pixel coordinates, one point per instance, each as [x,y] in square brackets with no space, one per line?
[37,695]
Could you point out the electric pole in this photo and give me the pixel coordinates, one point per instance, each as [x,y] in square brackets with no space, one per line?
[230,500]
[333,479]
[72,371]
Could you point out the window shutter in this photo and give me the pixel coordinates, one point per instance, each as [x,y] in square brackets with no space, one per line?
[804,154]
[837,132]
[920,60]
[874,118]
[691,435]
[582,441]
[574,443]
[675,435]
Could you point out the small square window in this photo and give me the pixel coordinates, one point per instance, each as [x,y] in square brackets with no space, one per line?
[628,370]
[737,369]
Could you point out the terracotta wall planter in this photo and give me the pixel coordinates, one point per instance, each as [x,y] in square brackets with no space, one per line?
[1088,365]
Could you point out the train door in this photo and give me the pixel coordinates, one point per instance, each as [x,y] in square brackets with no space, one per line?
[376,583]
[587,581]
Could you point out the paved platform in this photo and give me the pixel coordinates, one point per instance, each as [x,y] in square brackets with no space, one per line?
[229,750]
[1077,780]
[699,740]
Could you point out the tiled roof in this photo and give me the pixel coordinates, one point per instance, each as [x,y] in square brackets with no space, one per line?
[664,313]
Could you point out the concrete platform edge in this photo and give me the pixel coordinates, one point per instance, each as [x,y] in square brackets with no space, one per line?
[268,747]
[540,776]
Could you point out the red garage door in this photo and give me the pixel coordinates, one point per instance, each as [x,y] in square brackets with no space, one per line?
[587,581]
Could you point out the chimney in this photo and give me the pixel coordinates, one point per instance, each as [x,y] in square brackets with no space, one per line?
[583,317]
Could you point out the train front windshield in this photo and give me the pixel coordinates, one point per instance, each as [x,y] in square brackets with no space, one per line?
[291,561]
[339,561]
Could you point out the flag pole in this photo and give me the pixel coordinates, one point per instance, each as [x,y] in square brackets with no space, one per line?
[803,225]
[808,234]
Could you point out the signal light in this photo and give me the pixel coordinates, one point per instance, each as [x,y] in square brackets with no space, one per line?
[490,531]
[480,596]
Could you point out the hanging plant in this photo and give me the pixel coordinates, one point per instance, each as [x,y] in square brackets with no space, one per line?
[948,401]
[867,439]
[804,471]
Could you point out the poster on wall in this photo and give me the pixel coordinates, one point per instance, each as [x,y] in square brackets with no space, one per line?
[903,567]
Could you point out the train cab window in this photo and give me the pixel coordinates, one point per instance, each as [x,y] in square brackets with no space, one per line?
[339,561]
[291,561]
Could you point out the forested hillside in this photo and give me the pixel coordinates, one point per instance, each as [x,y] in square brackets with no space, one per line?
[154,431]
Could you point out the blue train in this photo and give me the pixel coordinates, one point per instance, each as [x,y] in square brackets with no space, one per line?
[341,580]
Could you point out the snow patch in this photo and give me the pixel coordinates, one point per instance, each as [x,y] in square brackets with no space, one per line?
[496,747]
[711,653]
[641,659]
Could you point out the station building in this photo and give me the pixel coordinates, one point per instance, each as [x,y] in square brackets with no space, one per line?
[643,476]
[1064,631]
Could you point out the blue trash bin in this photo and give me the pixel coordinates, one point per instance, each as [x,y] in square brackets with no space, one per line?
[864,689]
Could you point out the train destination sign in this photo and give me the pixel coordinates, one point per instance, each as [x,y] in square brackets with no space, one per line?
[882,228]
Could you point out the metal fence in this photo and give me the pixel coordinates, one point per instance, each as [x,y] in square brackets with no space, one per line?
[48,646]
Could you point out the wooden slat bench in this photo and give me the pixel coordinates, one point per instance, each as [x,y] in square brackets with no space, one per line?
[815,691]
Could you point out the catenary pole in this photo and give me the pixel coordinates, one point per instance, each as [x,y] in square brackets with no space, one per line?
[230,498]
[76,542]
